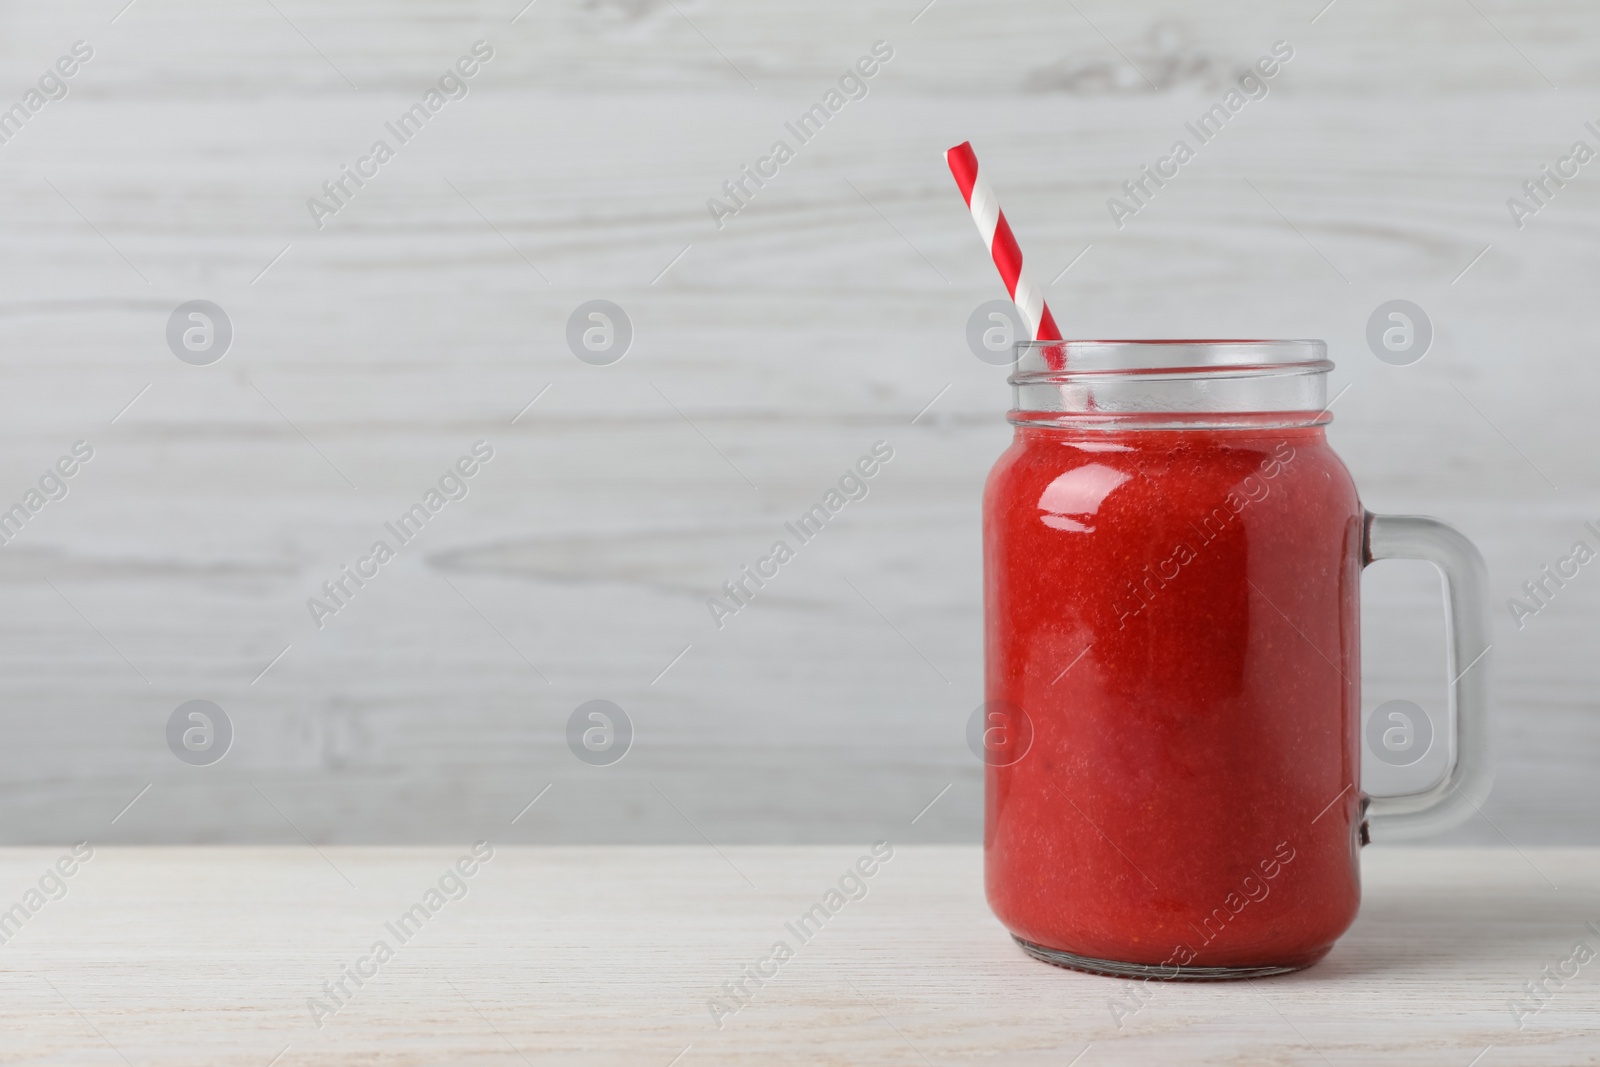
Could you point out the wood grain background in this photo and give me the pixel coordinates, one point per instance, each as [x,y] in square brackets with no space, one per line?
[771,354]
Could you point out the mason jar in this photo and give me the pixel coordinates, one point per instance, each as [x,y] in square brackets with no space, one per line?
[1172,577]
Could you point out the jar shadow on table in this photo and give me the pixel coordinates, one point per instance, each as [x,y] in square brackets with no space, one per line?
[1482,930]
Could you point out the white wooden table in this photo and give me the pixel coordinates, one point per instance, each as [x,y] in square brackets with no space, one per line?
[610,955]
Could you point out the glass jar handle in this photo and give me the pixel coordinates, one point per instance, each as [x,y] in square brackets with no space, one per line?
[1468,776]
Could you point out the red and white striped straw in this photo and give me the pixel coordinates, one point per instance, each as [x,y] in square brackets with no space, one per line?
[996,233]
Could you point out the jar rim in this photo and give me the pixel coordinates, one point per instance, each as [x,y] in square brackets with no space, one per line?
[1174,384]
[1172,355]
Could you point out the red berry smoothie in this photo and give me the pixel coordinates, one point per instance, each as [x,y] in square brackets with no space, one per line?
[1176,613]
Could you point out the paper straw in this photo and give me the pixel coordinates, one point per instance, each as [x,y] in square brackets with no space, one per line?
[996,233]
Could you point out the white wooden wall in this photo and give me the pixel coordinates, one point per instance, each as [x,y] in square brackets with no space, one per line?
[819,320]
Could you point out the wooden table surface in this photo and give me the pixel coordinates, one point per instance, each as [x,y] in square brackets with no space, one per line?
[610,956]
